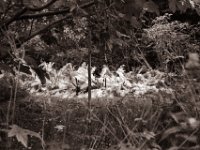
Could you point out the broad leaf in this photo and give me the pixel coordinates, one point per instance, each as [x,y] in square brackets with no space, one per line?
[22,134]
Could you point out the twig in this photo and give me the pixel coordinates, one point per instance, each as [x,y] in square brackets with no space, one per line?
[44,29]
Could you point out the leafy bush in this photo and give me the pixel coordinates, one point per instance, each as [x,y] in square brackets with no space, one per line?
[172,41]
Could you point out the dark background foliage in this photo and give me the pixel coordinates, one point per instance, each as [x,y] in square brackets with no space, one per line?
[57,31]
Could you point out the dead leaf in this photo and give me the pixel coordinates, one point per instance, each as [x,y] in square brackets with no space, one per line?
[193,61]
[120,35]
[152,7]
[110,45]
[135,23]
[170,131]
[172,5]
[60,128]
[178,117]
[149,135]
[73,6]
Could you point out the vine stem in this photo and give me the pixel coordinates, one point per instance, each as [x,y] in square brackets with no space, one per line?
[89,73]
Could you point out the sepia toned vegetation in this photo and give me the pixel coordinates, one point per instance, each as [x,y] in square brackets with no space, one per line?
[99,75]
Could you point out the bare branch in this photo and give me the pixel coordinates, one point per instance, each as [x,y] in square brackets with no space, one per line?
[44,29]
[19,15]
[44,14]
[40,8]
[51,13]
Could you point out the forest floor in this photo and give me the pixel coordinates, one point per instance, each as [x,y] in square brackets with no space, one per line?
[153,115]
[153,121]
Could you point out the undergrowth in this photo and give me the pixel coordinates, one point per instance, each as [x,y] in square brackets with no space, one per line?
[153,120]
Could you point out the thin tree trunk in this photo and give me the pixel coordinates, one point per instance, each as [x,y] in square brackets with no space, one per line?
[89,70]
